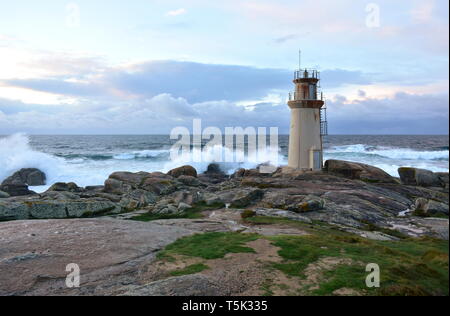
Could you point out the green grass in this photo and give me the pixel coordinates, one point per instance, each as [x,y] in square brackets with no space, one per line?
[192,213]
[210,245]
[344,276]
[192,269]
[409,266]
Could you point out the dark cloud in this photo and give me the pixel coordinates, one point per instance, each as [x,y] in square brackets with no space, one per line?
[402,114]
[199,82]
[196,82]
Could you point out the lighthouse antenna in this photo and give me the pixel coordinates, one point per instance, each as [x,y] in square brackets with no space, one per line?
[300,59]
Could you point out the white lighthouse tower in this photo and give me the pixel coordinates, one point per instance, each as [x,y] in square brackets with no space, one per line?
[308,122]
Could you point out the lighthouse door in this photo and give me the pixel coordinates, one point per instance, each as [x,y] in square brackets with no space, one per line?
[316,160]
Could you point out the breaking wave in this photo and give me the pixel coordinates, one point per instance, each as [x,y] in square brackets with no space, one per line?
[389,152]
[85,164]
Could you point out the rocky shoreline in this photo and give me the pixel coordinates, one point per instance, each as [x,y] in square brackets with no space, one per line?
[354,198]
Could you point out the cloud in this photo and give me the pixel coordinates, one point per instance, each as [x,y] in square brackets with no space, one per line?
[177,12]
[196,82]
[401,114]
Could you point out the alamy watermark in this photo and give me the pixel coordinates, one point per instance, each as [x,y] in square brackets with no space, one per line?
[373,279]
[373,18]
[73,278]
[235,145]
[73,15]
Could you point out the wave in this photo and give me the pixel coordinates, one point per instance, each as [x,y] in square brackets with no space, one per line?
[390,152]
[93,169]
[142,154]
[16,153]
[201,159]
[90,168]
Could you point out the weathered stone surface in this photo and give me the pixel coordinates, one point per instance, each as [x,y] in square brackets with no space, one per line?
[190,181]
[183,171]
[282,199]
[430,207]
[311,203]
[282,213]
[28,176]
[245,197]
[443,176]
[420,177]
[214,169]
[61,186]
[187,285]
[16,189]
[166,207]
[4,195]
[45,208]
[137,199]
[238,173]
[183,207]
[110,254]
[359,171]
[13,211]
[124,182]
[160,184]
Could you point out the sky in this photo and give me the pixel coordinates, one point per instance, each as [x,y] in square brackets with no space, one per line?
[147,66]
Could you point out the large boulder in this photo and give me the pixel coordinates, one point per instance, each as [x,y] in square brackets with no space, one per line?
[28,176]
[137,199]
[124,182]
[424,207]
[16,189]
[65,187]
[246,197]
[358,171]
[183,171]
[34,208]
[214,169]
[444,178]
[4,195]
[160,184]
[420,177]
[213,174]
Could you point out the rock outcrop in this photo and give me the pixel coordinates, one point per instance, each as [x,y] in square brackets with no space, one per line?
[359,171]
[422,177]
[110,254]
[346,194]
[183,171]
[28,176]
[16,189]
[116,254]
[4,195]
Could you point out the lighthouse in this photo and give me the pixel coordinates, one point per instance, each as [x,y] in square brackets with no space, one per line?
[308,121]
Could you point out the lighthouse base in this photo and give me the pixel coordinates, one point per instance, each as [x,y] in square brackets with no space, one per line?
[305,140]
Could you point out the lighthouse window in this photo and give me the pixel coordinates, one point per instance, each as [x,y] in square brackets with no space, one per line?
[312,92]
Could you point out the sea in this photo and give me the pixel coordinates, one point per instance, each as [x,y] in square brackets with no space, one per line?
[89,160]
